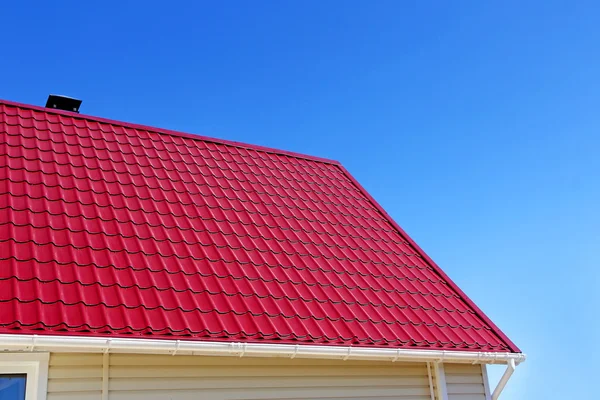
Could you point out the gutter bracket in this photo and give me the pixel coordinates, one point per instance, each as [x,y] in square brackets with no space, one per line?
[33,340]
[177,342]
[348,355]
[295,352]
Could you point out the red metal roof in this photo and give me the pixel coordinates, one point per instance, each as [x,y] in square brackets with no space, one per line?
[110,228]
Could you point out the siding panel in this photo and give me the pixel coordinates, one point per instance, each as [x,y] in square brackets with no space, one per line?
[75,376]
[149,377]
[464,382]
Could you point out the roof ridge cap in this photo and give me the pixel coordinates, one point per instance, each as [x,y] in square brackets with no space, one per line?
[164,131]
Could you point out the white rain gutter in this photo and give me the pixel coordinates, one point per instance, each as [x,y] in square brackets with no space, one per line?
[153,346]
[510,368]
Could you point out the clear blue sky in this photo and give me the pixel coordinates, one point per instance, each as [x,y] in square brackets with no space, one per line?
[476,125]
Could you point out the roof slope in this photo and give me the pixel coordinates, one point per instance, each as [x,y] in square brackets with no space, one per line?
[109,228]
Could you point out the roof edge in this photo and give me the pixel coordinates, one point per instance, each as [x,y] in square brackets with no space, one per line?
[30,343]
[433,265]
[164,131]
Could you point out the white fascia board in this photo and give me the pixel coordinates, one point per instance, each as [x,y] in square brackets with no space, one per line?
[9,342]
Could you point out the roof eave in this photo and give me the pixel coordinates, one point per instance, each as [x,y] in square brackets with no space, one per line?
[79,344]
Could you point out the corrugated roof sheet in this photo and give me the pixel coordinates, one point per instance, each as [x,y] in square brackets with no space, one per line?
[108,228]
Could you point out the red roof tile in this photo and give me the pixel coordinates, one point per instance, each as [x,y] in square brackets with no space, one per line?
[108,228]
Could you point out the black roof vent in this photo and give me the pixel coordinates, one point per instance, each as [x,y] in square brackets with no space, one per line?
[63,103]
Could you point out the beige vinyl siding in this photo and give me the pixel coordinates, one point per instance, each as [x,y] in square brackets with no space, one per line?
[149,377]
[464,382]
[75,376]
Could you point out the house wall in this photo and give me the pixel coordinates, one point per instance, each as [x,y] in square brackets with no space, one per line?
[75,376]
[132,377]
[464,382]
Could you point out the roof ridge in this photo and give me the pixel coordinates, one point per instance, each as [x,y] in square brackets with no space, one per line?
[164,131]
